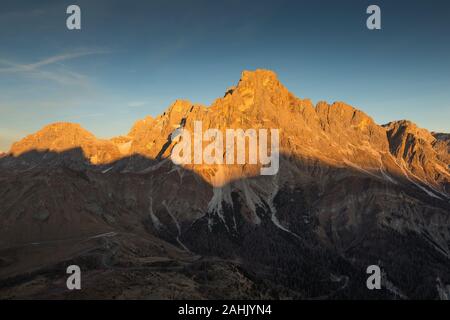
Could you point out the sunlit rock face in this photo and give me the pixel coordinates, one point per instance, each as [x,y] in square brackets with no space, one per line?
[62,137]
[348,193]
[336,134]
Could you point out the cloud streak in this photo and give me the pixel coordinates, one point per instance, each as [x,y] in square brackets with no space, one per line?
[14,67]
[40,70]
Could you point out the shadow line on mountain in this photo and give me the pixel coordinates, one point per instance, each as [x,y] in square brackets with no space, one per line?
[142,164]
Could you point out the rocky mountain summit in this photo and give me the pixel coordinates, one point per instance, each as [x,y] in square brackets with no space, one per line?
[349,193]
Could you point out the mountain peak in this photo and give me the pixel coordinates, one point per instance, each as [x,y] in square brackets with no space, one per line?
[64,136]
[257,91]
[62,127]
[259,79]
[56,137]
[180,106]
[140,125]
[258,74]
[405,127]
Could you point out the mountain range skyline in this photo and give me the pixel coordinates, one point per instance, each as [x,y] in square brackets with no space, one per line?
[10,145]
[259,100]
[184,103]
[6,144]
[132,60]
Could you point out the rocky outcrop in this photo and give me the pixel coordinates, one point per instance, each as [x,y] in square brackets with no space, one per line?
[442,147]
[424,156]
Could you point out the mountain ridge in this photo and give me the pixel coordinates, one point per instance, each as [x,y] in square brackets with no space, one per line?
[336,133]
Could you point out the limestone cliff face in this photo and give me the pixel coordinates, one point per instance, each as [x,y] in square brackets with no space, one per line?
[149,135]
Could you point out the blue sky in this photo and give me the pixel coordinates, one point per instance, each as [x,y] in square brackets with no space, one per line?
[134,58]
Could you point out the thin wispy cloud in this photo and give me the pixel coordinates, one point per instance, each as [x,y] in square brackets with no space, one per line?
[15,67]
[40,69]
